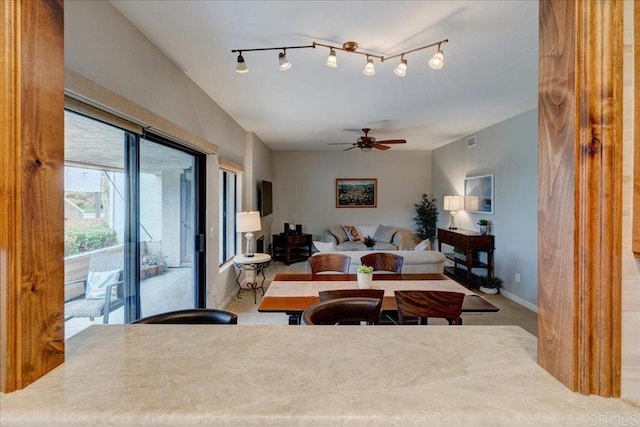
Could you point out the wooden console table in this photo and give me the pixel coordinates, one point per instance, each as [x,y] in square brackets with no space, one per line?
[470,242]
[291,248]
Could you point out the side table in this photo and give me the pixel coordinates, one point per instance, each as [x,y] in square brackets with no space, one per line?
[257,263]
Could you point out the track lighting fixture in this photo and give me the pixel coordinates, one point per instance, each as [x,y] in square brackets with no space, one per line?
[332,61]
[241,66]
[436,62]
[369,69]
[284,62]
[401,69]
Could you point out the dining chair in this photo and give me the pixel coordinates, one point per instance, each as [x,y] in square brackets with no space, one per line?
[343,311]
[425,304]
[383,261]
[329,262]
[194,316]
[351,293]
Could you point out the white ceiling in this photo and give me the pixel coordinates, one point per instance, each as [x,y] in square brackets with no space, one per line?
[490,73]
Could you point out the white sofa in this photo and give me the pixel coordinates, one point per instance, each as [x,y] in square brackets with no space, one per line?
[413,261]
[388,238]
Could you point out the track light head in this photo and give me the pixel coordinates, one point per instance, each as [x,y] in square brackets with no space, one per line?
[369,69]
[437,61]
[401,69]
[332,60]
[284,62]
[241,66]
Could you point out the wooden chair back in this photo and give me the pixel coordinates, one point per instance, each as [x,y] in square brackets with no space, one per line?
[383,261]
[425,304]
[196,316]
[351,293]
[343,311]
[329,262]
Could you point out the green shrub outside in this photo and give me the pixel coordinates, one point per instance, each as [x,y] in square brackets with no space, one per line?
[87,235]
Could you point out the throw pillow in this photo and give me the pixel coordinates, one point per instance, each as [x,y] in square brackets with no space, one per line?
[324,246]
[352,233]
[425,245]
[384,233]
[338,233]
[98,281]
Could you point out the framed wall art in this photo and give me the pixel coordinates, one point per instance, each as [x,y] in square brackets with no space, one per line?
[478,194]
[356,192]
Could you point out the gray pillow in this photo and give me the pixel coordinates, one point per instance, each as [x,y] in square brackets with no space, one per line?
[384,233]
[338,233]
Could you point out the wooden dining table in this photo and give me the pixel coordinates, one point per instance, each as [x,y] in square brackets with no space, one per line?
[294,293]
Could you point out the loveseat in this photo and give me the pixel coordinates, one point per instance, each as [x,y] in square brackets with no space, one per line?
[350,237]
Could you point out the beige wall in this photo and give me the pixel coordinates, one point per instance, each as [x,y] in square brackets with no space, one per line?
[509,151]
[630,265]
[304,187]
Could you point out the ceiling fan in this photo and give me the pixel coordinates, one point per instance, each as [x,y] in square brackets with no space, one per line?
[366,142]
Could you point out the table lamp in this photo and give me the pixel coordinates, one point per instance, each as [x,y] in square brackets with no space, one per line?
[248,222]
[453,204]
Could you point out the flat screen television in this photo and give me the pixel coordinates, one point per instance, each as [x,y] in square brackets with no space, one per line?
[265,198]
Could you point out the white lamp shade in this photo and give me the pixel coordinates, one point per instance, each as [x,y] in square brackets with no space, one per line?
[471,203]
[248,221]
[453,203]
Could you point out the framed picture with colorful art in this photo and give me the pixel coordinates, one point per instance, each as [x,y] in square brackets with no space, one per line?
[356,193]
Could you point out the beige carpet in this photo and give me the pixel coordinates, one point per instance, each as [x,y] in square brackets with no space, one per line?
[510,312]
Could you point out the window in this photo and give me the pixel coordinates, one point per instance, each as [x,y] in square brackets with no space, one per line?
[227,209]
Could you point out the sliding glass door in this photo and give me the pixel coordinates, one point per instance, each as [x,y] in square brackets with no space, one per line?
[133,209]
[169,227]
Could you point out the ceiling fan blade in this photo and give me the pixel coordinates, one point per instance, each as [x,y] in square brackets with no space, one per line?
[393,141]
[381,147]
[340,143]
[350,148]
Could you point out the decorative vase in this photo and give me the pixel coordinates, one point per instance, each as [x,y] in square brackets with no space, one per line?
[483,230]
[365,280]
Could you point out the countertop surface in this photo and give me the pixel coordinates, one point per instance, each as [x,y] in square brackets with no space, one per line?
[182,375]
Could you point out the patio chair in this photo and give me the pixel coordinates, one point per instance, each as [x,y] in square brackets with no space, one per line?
[196,316]
[329,263]
[103,288]
[343,311]
[383,261]
[425,304]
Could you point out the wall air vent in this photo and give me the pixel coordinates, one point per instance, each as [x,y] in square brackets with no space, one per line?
[471,141]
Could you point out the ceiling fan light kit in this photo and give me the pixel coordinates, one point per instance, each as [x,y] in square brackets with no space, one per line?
[366,143]
[436,61]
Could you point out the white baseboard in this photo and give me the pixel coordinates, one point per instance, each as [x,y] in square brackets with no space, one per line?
[519,300]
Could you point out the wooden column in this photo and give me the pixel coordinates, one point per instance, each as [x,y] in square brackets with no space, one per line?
[31,190]
[580,193]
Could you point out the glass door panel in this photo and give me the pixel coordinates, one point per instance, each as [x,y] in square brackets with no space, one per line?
[168,229]
[94,211]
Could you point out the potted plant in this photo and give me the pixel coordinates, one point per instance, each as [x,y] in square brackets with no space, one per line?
[490,285]
[369,242]
[426,218]
[365,276]
[484,224]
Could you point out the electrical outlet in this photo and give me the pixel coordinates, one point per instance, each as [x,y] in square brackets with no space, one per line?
[517,277]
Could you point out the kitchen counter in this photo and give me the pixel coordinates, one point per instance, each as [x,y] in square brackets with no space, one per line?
[183,375]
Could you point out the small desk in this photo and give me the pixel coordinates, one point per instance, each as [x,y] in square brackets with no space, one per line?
[257,263]
[294,303]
